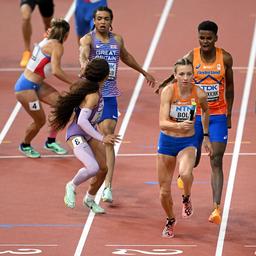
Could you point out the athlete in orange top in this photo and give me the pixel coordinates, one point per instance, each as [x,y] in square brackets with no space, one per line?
[214,74]
[211,78]
[177,140]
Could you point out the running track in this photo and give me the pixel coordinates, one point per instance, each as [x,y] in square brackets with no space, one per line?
[33,217]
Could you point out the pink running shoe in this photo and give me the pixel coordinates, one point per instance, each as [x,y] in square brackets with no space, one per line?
[168,229]
[187,210]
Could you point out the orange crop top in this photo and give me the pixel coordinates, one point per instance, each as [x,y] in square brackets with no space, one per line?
[180,108]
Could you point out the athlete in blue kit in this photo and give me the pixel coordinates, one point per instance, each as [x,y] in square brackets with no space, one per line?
[84,15]
[102,43]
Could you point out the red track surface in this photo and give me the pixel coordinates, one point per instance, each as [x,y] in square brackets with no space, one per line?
[32,211]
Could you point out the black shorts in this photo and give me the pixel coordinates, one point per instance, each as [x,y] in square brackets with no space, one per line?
[46,7]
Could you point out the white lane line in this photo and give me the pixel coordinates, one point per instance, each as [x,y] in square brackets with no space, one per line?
[46,245]
[9,122]
[152,68]
[70,11]
[118,155]
[128,114]
[239,134]
[17,107]
[152,245]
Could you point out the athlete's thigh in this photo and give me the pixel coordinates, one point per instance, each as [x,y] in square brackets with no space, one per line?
[200,136]
[108,126]
[99,152]
[187,159]
[218,134]
[27,7]
[31,103]
[165,168]
[48,94]
[83,152]
[82,25]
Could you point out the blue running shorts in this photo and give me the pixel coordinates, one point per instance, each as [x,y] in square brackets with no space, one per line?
[218,130]
[84,15]
[171,146]
[110,109]
[24,84]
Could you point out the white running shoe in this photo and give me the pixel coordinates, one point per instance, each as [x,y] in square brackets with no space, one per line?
[70,196]
[90,203]
[107,195]
[168,231]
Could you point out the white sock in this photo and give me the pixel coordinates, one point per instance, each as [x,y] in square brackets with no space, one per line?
[72,184]
[88,196]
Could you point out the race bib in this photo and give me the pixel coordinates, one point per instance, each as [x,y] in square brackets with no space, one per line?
[76,141]
[212,91]
[180,113]
[34,105]
[112,71]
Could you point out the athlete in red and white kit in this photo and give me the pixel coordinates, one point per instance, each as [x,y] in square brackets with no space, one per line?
[31,89]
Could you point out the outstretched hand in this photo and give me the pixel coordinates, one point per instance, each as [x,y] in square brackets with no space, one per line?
[111,139]
[150,80]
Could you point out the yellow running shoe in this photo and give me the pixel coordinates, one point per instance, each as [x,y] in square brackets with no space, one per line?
[180,183]
[25,58]
[215,216]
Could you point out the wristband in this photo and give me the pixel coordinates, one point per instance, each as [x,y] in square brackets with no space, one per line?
[206,134]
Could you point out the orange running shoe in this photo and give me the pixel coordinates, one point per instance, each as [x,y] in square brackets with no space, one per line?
[25,58]
[215,216]
[180,183]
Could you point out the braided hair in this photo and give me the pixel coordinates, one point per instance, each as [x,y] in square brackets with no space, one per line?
[96,71]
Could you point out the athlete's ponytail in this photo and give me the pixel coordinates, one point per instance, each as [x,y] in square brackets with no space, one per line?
[171,79]
[96,71]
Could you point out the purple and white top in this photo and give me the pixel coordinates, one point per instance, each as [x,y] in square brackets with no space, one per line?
[74,129]
[111,53]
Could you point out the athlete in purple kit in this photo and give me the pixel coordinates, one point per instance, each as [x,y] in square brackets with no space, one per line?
[84,104]
[102,43]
